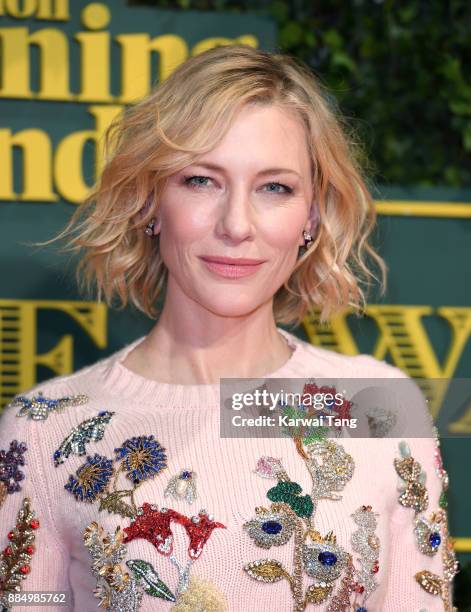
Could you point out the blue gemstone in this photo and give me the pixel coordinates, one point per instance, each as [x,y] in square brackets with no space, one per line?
[103,413]
[272,527]
[184,475]
[361,609]
[57,454]
[434,539]
[327,558]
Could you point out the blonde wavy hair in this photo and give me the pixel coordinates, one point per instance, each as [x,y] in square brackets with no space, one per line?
[187,115]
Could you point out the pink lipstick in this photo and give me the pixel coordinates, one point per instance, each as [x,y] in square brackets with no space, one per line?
[232,267]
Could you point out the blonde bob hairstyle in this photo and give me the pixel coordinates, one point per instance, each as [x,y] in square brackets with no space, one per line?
[187,115]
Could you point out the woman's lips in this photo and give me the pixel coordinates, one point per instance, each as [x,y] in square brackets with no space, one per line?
[232,270]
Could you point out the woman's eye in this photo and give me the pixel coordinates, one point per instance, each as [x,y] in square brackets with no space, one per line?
[285,187]
[196,181]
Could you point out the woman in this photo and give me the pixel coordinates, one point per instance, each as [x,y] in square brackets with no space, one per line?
[235,189]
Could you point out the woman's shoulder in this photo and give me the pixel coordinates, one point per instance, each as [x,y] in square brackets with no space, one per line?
[358,365]
[84,387]
[397,393]
[87,380]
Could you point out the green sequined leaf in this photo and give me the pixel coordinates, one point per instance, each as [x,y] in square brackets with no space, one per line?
[283,490]
[443,502]
[148,577]
[288,492]
[292,413]
[293,430]
[302,506]
[318,434]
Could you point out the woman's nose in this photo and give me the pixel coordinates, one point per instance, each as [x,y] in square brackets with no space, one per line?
[236,217]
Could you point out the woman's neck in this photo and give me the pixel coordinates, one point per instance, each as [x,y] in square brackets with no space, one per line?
[174,358]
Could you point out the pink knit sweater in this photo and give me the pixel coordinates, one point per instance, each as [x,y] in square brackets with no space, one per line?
[185,420]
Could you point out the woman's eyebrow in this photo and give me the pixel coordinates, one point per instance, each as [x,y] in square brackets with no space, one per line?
[268,171]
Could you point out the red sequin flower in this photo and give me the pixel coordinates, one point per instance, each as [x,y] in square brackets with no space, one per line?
[153,525]
[199,528]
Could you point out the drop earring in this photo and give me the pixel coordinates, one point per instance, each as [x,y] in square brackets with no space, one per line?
[149,229]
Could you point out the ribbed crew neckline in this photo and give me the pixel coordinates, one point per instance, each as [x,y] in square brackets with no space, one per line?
[120,380]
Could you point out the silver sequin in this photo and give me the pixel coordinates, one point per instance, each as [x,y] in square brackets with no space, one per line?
[330,466]
[366,543]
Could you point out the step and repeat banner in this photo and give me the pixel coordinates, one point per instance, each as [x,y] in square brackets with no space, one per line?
[67,68]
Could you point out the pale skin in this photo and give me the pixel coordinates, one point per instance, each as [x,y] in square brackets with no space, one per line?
[213,327]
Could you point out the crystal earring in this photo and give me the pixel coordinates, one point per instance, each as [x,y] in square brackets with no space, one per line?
[307,239]
[149,230]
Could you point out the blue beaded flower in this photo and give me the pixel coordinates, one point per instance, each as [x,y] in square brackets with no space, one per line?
[142,457]
[91,479]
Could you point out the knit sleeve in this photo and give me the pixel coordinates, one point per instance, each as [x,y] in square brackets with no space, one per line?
[32,558]
[413,576]
[421,562]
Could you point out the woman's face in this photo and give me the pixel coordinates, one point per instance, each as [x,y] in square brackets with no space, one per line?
[250,197]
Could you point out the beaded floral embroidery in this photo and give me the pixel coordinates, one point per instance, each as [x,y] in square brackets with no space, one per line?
[413,493]
[304,434]
[15,559]
[431,532]
[366,543]
[154,525]
[39,407]
[451,565]
[117,589]
[10,474]
[139,459]
[291,515]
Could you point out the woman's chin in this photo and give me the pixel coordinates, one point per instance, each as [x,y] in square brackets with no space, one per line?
[230,309]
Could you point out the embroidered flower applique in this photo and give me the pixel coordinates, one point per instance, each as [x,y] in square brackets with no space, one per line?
[10,473]
[91,479]
[116,588]
[15,559]
[139,459]
[431,532]
[298,418]
[366,543]
[291,517]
